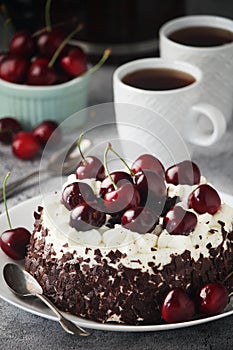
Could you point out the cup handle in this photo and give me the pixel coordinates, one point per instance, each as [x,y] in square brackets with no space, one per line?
[197,136]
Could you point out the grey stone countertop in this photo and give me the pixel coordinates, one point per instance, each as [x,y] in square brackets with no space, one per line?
[22,330]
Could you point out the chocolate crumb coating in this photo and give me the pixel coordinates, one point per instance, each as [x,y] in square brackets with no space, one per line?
[106,291]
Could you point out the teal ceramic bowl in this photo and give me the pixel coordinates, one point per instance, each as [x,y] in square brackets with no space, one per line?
[33,104]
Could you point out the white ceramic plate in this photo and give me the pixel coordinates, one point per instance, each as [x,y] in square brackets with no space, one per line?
[22,215]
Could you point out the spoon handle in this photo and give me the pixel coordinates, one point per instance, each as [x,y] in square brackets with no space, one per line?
[67,325]
[12,187]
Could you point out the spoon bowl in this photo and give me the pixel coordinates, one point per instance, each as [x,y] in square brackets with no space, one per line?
[21,283]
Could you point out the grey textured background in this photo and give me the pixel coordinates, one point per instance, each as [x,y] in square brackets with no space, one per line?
[21,330]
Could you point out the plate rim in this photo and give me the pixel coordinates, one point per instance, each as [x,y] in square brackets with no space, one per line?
[9,297]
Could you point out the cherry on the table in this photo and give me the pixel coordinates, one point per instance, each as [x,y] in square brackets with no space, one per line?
[8,128]
[25,145]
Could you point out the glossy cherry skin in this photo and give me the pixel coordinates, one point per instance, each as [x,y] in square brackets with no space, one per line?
[86,216]
[14,242]
[177,306]
[178,221]
[22,44]
[40,74]
[139,219]
[74,62]
[118,177]
[13,69]
[3,55]
[8,128]
[46,130]
[122,199]
[25,145]
[89,168]
[183,173]
[204,199]
[148,162]
[77,193]
[151,187]
[48,42]
[212,298]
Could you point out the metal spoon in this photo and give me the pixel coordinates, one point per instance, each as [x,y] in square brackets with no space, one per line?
[23,284]
[62,162]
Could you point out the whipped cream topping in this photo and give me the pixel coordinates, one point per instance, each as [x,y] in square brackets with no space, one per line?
[139,249]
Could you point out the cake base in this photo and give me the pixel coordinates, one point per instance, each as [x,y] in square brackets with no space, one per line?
[112,292]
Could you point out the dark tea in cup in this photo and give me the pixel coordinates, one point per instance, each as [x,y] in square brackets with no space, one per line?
[158,79]
[202,36]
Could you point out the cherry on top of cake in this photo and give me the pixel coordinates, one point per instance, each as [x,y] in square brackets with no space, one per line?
[138,197]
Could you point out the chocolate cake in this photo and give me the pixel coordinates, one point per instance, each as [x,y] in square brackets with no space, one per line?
[110,273]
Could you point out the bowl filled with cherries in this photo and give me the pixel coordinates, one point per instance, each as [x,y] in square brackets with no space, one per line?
[43,77]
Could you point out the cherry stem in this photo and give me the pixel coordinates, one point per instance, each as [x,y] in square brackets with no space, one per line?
[4,198]
[47,15]
[123,161]
[228,276]
[79,147]
[63,44]
[97,66]
[109,147]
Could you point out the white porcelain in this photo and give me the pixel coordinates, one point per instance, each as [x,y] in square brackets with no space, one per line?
[168,113]
[215,62]
[33,104]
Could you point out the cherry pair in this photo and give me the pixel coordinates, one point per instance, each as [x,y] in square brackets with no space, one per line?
[25,144]
[178,306]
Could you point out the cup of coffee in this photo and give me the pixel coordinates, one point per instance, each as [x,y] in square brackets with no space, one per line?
[206,42]
[170,89]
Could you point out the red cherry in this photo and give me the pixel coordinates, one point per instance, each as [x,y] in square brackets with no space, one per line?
[152,189]
[13,69]
[46,130]
[212,298]
[184,173]
[39,73]
[89,168]
[204,199]
[178,221]
[148,162]
[8,128]
[118,177]
[25,145]
[177,306]
[14,242]
[139,219]
[48,42]
[3,55]
[85,217]
[22,44]
[122,199]
[74,62]
[77,193]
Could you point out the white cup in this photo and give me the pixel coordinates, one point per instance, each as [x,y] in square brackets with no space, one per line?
[216,62]
[183,108]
